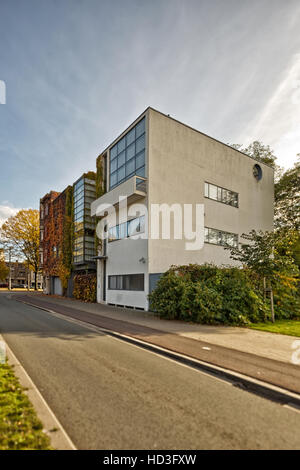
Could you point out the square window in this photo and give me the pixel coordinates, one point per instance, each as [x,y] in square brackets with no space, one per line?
[119,282]
[123,230]
[220,194]
[112,282]
[113,152]
[213,236]
[126,282]
[121,159]
[113,165]
[130,167]
[121,145]
[121,173]
[221,238]
[113,179]
[137,282]
[140,144]
[140,159]
[225,196]
[130,137]
[140,128]
[130,152]
[141,172]
[113,233]
[213,192]
[133,226]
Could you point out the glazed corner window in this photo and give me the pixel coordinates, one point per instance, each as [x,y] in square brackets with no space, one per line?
[211,191]
[127,156]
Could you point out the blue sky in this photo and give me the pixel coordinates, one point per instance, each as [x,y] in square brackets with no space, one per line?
[78,72]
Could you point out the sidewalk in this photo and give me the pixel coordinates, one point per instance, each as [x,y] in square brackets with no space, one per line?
[269,345]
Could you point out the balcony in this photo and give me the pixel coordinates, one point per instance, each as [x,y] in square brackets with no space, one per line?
[133,189]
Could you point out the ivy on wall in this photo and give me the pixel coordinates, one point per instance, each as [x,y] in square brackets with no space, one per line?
[53,235]
[90,175]
[100,190]
[59,237]
[65,263]
[85,287]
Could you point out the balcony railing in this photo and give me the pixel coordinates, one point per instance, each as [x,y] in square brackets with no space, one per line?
[133,189]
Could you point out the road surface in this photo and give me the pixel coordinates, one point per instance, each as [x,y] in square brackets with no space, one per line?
[109,394]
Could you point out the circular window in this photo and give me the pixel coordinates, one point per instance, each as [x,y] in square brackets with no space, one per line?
[257,172]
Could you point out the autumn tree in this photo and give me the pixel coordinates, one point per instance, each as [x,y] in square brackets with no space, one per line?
[259,151]
[4,270]
[269,255]
[287,198]
[21,233]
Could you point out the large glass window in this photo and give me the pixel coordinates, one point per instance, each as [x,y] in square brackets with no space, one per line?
[126,282]
[219,237]
[127,157]
[127,229]
[84,225]
[219,194]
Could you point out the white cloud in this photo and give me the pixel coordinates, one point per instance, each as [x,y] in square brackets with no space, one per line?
[7,211]
[279,122]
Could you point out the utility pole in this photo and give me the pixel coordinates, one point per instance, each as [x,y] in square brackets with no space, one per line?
[9,261]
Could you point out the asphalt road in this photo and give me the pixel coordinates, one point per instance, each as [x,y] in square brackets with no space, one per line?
[109,394]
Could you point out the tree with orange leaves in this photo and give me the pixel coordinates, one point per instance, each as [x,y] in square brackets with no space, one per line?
[21,233]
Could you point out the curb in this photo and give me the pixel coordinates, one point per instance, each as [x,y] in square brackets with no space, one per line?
[59,438]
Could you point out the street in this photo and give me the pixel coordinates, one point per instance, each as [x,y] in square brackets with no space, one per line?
[109,394]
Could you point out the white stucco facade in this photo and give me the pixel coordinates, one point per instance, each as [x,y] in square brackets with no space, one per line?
[179,161]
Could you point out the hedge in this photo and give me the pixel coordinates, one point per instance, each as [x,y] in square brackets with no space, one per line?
[208,294]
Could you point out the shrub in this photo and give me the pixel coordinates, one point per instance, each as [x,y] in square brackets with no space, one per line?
[85,287]
[208,294]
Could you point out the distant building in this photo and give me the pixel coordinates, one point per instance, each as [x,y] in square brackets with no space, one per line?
[21,276]
[67,234]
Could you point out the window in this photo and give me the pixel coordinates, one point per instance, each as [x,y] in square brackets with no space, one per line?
[127,157]
[126,282]
[219,237]
[219,194]
[257,172]
[127,229]
[84,224]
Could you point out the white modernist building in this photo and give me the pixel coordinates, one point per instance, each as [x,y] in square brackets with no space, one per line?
[161,166]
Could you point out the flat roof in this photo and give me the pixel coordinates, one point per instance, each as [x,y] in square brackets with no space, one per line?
[183,124]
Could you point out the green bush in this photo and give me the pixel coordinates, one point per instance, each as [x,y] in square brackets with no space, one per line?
[85,287]
[208,294]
